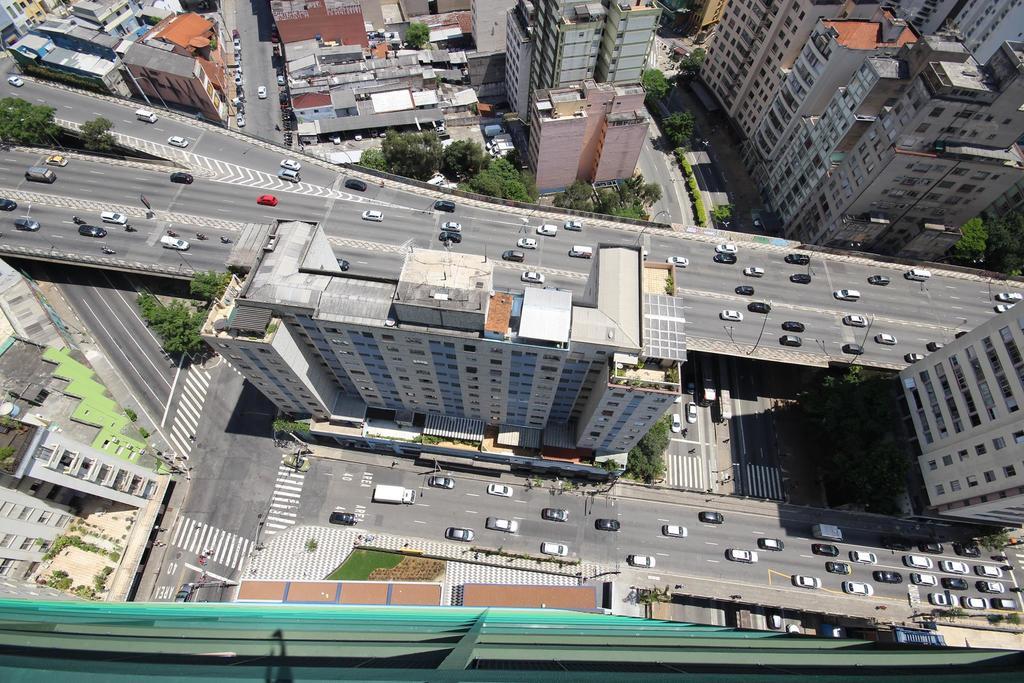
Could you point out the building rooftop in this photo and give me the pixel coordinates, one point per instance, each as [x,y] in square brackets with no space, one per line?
[191,31]
[156,59]
[79,61]
[309,100]
[610,314]
[546,315]
[864,34]
[445,280]
[499,313]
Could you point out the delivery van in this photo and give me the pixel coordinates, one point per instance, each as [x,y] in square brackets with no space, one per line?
[146,115]
[579,251]
[168,242]
[917,274]
[40,174]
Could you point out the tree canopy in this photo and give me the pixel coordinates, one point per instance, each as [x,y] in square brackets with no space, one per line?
[209,285]
[463,159]
[630,199]
[24,123]
[722,212]
[994,244]
[655,84]
[176,323]
[96,135]
[413,155]
[646,461]
[503,180]
[578,196]
[678,127]
[417,35]
[970,250]
[373,158]
[852,425]
[689,66]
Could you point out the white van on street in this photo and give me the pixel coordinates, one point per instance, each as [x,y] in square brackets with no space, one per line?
[146,115]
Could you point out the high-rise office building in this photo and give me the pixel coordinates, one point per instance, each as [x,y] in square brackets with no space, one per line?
[441,349]
[964,401]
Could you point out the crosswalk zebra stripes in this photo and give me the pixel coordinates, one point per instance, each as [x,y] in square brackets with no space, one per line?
[760,481]
[189,410]
[285,500]
[685,471]
[225,548]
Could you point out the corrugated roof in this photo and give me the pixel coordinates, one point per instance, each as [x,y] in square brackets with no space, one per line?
[546,315]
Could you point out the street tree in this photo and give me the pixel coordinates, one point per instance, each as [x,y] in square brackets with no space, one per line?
[655,85]
[630,199]
[996,540]
[970,248]
[646,460]
[678,127]
[463,159]
[413,155]
[176,323]
[24,123]
[417,35]
[1004,245]
[209,285]
[96,135]
[579,196]
[722,213]
[373,158]
[503,180]
[689,66]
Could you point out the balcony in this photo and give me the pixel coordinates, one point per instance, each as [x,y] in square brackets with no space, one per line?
[626,370]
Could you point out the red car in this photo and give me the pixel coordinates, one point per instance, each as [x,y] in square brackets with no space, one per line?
[267,200]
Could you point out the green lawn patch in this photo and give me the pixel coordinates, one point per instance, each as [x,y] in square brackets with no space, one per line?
[361,562]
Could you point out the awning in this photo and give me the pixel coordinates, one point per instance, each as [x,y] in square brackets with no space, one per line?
[518,437]
[454,427]
[560,435]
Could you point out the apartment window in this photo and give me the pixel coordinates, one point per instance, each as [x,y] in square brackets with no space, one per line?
[1018,437]
[962,455]
[954,485]
[1009,471]
[932,465]
[980,449]
[940,490]
[990,476]
[971,481]
[947,460]
[999,443]
[936,112]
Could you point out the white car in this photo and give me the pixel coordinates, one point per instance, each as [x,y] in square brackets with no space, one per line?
[240,121]
[640,561]
[846,294]
[734,316]
[177,141]
[261,92]
[939,599]
[678,261]
[919,579]
[1009,297]
[280,80]
[885,339]
[855,321]
[673,530]
[953,567]
[677,424]
[858,588]
[691,412]
[973,603]
[237,43]
[801,581]
[737,555]
[452,226]
[526,243]
[547,229]
[917,561]
[1003,308]
[863,557]
[113,217]
[532,276]
[726,248]
[503,490]
[291,165]
[336,139]
[16,81]
[375,216]
[556,549]
[753,271]
[988,571]
[509,526]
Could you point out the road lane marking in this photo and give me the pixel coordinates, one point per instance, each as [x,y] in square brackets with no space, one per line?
[810,557]
[662,554]
[662,520]
[709,543]
[426,505]
[475,495]
[520,501]
[416,521]
[710,560]
[473,512]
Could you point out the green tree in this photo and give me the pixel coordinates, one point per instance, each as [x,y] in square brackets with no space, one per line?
[503,180]
[284,426]
[96,134]
[630,199]
[463,159]
[209,285]
[655,85]
[579,196]
[417,35]
[722,213]
[413,155]
[678,128]
[7,457]
[374,158]
[997,540]
[25,123]
[646,461]
[689,66]
[176,323]
[1004,248]
[970,249]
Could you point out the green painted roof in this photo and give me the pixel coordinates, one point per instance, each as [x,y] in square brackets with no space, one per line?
[86,642]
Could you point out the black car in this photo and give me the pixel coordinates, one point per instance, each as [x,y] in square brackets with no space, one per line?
[826,549]
[725,258]
[800,278]
[185,592]
[798,259]
[8,205]
[513,255]
[606,524]
[711,517]
[791,340]
[967,550]
[346,518]
[759,307]
[934,346]
[896,543]
[793,326]
[853,349]
[444,205]
[343,265]
[183,178]
[91,231]
[837,568]
[930,547]
[440,482]
[745,290]
[355,184]
[954,584]
[450,237]
[887,577]
[880,280]
[27,224]
[558,515]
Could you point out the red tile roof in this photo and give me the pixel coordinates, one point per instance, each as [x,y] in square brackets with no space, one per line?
[309,100]
[190,31]
[858,34]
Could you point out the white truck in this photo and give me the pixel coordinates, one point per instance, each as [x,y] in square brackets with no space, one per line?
[384,493]
[827,532]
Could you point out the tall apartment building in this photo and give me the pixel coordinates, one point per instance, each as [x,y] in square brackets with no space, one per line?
[490,23]
[927,16]
[441,352]
[628,37]
[704,14]
[591,132]
[519,56]
[984,25]
[964,401]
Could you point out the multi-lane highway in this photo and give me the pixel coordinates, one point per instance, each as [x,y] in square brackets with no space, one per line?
[231,171]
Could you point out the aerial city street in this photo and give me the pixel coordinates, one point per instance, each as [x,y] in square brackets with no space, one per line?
[351,304]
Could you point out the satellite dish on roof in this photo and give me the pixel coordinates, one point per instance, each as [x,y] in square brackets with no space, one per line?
[9,409]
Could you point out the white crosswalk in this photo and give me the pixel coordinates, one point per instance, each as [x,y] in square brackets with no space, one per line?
[190,408]
[223,547]
[685,471]
[760,481]
[285,501]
